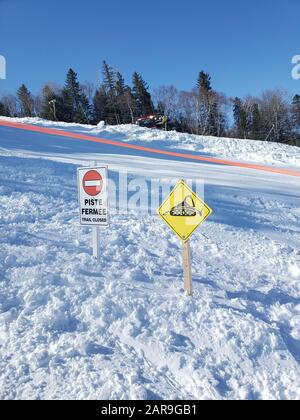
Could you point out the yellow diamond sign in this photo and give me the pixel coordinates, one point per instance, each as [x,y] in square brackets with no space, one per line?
[183,211]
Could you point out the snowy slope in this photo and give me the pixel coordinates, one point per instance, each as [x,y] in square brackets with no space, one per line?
[252,151]
[122,327]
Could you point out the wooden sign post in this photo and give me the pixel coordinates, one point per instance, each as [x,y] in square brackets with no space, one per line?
[183,211]
[187,269]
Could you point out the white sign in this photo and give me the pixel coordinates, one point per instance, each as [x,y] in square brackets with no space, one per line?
[93,196]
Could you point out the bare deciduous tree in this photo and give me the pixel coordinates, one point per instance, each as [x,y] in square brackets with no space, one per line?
[10,103]
[167,97]
[276,114]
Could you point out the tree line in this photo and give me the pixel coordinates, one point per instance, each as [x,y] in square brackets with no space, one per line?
[271,117]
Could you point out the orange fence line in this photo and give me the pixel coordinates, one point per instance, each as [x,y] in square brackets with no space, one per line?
[55,132]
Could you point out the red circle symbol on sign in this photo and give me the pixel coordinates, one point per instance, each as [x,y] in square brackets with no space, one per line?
[92,183]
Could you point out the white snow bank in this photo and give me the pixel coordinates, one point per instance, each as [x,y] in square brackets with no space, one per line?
[236,149]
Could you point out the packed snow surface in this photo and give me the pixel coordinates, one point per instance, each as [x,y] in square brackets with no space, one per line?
[122,327]
[236,149]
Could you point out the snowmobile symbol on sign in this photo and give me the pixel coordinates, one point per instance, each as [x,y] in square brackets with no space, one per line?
[183,211]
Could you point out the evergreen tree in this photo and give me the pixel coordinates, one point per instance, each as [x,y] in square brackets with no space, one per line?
[119,85]
[141,95]
[204,104]
[124,100]
[240,118]
[256,131]
[25,102]
[216,118]
[100,103]
[210,119]
[109,81]
[75,103]
[204,82]
[52,105]
[109,78]
[70,95]
[121,102]
[85,113]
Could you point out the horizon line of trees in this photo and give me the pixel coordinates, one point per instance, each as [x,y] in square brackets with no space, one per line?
[271,117]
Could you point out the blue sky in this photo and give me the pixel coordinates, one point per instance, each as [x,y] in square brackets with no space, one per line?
[247,46]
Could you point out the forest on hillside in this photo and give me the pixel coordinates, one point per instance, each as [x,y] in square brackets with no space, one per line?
[274,116]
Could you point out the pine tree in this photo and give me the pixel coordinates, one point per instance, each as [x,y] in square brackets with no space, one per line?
[204,82]
[124,100]
[75,103]
[217,120]
[109,78]
[84,114]
[70,95]
[141,95]
[25,102]
[51,101]
[121,104]
[204,104]
[119,84]
[109,81]
[210,118]
[100,102]
[256,131]
[240,118]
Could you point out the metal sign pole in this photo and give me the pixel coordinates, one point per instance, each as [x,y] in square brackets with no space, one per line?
[96,242]
[96,235]
[187,270]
